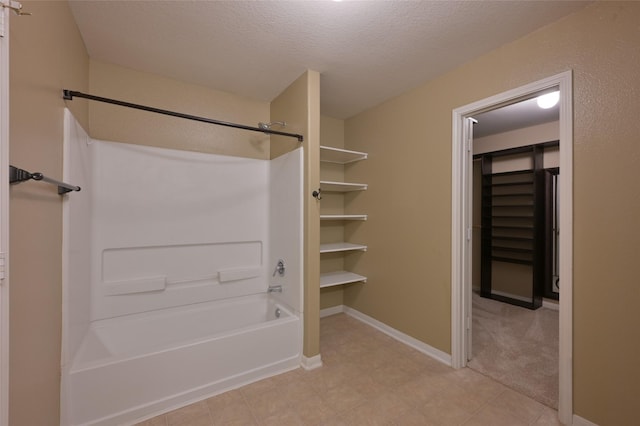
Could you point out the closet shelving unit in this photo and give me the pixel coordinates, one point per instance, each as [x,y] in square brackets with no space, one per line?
[328,186]
[343,217]
[341,156]
[515,219]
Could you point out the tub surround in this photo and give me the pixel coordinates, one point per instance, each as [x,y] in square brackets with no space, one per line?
[168,258]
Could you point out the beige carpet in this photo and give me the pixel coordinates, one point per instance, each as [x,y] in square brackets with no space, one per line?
[518,347]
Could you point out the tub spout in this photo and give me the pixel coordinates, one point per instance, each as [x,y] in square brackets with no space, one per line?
[274,289]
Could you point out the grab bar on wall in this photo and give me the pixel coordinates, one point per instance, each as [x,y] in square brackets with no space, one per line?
[17,175]
[69,94]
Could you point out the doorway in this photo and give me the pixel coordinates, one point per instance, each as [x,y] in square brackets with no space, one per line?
[462,180]
[514,331]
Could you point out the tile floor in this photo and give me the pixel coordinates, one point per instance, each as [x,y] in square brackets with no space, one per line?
[368,378]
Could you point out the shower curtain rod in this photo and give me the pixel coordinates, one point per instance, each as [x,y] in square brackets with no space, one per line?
[69,94]
[17,175]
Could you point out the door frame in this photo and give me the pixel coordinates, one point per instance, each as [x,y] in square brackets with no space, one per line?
[461,191]
[4,211]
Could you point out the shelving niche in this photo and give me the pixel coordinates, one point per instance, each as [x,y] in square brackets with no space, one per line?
[340,156]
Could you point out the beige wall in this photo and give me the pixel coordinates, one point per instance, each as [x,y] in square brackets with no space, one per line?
[409,204]
[299,106]
[116,123]
[47,55]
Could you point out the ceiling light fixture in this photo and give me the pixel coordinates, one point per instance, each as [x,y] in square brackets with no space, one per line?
[548,100]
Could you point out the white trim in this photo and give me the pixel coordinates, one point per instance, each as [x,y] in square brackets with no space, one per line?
[331,311]
[311,363]
[416,344]
[579,421]
[459,190]
[4,216]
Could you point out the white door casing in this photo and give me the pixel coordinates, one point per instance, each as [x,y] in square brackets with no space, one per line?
[7,5]
[460,198]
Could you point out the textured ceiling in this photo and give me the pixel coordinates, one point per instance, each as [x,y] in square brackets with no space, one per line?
[366,51]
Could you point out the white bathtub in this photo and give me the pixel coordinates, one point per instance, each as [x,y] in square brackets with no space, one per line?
[132,367]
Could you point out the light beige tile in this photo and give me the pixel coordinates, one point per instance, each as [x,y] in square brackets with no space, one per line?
[266,405]
[156,421]
[477,382]
[220,401]
[315,411]
[192,415]
[367,386]
[330,376]
[418,391]
[549,417]
[376,357]
[229,407]
[296,392]
[388,406]
[363,416]
[286,417]
[520,406]
[391,375]
[494,416]
[259,388]
[237,423]
[414,417]
[342,398]
[466,396]
[289,376]
[443,411]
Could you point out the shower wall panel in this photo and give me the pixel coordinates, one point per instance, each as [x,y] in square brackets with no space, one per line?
[76,238]
[286,238]
[172,228]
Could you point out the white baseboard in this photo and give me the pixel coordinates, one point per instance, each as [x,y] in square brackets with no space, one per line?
[311,363]
[416,344]
[579,421]
[331,311]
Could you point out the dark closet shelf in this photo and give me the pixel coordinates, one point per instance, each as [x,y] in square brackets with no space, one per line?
[513,249]
[513,194]
[511,260]
[507,184]
[497,216]
[509,238]
[509,227]
[513,173]
[517,205]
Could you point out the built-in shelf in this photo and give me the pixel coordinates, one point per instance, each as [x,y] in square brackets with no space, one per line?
[328,186]
[340,156]
[343,217]
[337,247]
[330,279]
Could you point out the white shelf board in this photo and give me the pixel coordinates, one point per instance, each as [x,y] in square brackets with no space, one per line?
[330,279]
[343,217]
[329,186]
[336,247]
[340,156]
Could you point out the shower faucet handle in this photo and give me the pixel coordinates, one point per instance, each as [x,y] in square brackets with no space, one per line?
[279,268]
